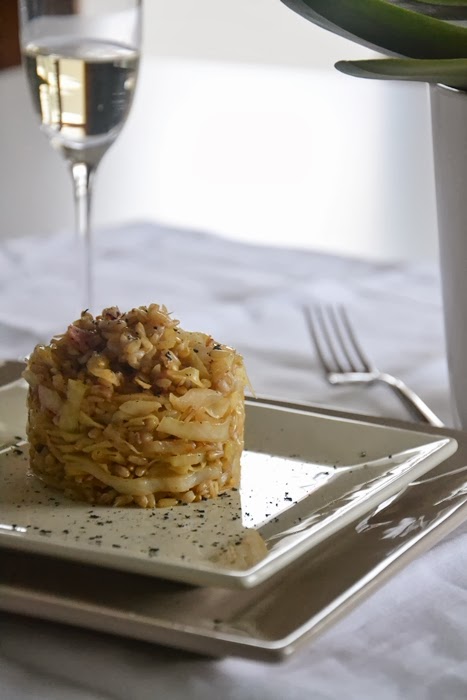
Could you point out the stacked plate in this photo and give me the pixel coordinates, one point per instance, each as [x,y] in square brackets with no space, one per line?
[330,505]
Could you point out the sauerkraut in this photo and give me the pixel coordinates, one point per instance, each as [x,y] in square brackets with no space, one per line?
[128,408]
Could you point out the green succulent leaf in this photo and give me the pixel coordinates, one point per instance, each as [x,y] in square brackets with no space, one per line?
[450,71]
[386,27]
[441,3]
[454,10]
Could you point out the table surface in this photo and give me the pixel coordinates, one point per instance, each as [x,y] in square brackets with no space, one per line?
[409,640]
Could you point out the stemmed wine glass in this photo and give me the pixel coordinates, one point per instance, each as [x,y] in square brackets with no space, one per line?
[81,60]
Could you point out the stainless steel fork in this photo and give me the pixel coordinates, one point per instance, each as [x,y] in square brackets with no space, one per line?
[344,361]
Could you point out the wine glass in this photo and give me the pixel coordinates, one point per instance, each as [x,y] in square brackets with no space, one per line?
[81,61]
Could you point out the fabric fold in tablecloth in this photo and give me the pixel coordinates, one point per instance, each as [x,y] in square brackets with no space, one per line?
[248,296]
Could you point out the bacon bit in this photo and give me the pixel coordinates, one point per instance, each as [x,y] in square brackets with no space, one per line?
[112,313]
[83,339]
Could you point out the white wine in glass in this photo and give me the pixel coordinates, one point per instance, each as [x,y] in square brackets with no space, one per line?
[81,61]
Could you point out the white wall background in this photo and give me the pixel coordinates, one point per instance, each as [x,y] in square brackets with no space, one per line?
[241,126]
[247,31]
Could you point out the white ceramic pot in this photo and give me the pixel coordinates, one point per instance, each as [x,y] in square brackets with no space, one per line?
[449,128]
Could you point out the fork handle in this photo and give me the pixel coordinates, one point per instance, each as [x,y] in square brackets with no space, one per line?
[414,403]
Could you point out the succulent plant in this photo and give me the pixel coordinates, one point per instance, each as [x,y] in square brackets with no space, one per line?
[426,40]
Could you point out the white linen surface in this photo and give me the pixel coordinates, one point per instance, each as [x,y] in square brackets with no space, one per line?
[409,640]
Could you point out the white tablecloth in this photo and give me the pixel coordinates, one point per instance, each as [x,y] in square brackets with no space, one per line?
[409,640]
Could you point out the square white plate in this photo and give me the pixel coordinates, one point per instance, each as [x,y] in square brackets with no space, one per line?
[304,477]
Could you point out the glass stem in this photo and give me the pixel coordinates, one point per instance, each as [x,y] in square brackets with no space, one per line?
[82,174]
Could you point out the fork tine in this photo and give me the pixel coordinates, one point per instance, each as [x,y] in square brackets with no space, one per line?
[341,313]
[341,334]
[315,338]
[320,335]
[335,340]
